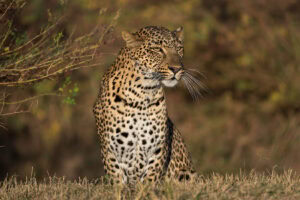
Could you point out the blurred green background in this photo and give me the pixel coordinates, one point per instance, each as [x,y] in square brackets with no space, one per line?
[248,50]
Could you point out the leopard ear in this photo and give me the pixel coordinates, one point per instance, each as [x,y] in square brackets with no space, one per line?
[130,40]
[179,33]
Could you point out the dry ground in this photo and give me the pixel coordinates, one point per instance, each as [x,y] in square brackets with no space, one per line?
[231,186]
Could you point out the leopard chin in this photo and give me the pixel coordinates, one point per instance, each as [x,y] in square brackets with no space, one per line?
[169,83]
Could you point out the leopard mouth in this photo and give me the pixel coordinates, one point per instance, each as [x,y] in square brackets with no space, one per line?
[165,80]
[170,82]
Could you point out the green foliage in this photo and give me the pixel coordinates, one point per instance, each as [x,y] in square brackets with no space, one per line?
[21,39]
[57,38]
[69,90]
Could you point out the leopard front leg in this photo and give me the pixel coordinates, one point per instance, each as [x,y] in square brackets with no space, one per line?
[180,165]
[112,167]
[154,169]
[113,171]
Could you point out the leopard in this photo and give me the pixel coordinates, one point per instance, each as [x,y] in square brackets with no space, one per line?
[139,142]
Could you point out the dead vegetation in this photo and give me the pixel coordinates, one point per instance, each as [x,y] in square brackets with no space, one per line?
[215,186]
[47,55]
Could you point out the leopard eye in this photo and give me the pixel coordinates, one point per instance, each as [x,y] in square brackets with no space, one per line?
[161,50]
[157,49]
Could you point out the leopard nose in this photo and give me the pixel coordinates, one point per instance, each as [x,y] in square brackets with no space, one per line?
[174,69]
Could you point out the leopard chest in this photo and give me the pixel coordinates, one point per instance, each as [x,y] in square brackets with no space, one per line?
[139,133]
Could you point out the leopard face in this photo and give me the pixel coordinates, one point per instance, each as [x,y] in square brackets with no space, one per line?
[159,52]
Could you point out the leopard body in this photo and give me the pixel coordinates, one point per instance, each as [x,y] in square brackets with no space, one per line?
[138,140]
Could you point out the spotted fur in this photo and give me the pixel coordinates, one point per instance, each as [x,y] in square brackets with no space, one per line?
[138,140]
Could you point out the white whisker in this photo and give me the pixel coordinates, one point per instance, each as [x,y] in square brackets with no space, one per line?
[196,81]
[193,84]
[187,84]
[191,70]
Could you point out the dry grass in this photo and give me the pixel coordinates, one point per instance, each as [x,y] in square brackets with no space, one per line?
[231,186]
[248,50]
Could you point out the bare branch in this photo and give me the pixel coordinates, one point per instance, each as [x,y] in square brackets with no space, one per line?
[31,98]
[47,58]
[47,55]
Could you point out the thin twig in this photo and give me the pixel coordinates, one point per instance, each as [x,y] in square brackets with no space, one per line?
[31,98]
[33,39]
[7,9]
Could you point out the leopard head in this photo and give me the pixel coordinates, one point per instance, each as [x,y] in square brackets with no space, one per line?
[159,52]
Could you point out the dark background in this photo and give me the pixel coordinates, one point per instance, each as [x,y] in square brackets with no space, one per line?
[248,119]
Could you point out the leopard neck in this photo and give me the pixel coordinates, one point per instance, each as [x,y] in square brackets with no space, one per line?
[131,85]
